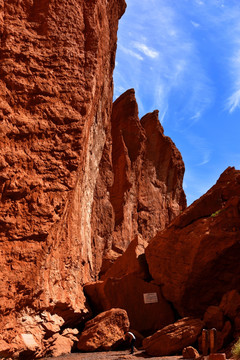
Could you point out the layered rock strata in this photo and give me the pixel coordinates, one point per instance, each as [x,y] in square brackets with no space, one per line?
[195,260]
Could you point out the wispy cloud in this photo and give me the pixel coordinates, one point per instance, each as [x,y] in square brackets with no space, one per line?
[158,40]
[195,24]
[233,102]
[130,52]
[145,49]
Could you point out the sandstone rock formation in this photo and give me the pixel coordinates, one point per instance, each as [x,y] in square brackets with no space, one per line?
[77,180]
[57,59]
[147,310]
[105,331]
[173,338]
[146,192]
[204,243]
[57,159]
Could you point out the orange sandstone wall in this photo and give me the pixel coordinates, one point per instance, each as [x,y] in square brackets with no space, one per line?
[77,180]
[57,59]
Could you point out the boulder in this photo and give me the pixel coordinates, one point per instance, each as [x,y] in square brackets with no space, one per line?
[173,338]
[204,243]
[108,259]
[132,261]
[58,345]
[104,332]
[224,335]
[141,300]
[214,318]
[230,304]
[190,352]
[5,349]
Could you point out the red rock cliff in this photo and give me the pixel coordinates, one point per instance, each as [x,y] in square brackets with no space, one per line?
[139,187]
[57,59]
[73,184]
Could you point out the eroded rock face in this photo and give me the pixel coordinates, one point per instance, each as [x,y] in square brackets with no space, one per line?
[195,260]
[57,59]
[142,179]
[73,184]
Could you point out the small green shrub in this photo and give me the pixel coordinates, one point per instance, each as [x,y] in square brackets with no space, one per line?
[216,213]
[236,350]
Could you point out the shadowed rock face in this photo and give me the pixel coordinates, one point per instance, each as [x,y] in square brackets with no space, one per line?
[130,293]
[173,338]
[195,260]
[57,59]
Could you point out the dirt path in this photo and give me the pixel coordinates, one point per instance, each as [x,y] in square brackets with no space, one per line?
[112,355]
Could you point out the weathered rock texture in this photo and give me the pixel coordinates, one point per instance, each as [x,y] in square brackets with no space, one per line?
[195,260]
[57,59]
[146,192]
[74,185]
[105,331]
[173,338]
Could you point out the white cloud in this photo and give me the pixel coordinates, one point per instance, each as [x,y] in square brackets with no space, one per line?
[162,115]
[206,158]
[195,24]
[199,2]
[143,48]
[130,52]
[233,101]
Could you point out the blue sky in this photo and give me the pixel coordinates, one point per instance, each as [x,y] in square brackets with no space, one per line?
[182,57]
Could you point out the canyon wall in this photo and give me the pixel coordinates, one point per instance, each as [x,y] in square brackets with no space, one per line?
[77,180]
[57,60]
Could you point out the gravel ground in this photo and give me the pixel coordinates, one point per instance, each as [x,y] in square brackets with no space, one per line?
[111,355]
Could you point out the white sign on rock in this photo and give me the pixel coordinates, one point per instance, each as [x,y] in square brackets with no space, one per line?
[150,298]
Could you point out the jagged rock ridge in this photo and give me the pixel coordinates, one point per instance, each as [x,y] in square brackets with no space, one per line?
[139,187]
